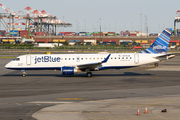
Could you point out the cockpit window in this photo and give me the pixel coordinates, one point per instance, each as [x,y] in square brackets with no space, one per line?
[16,59]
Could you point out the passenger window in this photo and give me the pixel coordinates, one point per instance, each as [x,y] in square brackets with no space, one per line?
[65,58]
[130,57]
[81,58]
[61,58]
[73,58]
[115,58]
[69,58]
[126,57]
[111,58]
[122,57]
[90,58]
[86,58]
[119,57]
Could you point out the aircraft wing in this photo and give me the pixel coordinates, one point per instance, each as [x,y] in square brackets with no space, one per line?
[93,65]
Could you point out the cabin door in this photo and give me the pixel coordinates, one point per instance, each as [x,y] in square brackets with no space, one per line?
[28,60]
[136,58]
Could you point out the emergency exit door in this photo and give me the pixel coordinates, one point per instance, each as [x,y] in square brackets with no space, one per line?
[28,60]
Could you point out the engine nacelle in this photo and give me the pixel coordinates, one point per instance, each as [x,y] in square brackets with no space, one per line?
[69,70]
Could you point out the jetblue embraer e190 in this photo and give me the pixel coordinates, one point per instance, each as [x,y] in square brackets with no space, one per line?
[70,64]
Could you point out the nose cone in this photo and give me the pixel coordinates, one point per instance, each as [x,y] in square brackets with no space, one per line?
[7,66]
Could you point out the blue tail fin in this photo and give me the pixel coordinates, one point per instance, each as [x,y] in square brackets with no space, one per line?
[160,45]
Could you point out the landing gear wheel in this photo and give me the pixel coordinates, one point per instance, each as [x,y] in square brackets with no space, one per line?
[24,74]
[155,64]
[89,74]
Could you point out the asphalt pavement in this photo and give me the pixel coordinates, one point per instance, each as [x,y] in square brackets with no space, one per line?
[109,94]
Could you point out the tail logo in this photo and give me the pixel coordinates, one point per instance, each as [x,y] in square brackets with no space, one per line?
[159,47]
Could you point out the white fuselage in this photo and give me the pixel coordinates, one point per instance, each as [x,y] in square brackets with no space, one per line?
[56,61]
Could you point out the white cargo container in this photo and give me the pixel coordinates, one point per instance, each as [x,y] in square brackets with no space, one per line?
[92,41]
[51,45]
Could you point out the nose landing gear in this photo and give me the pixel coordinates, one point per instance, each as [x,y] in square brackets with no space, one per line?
[24,73]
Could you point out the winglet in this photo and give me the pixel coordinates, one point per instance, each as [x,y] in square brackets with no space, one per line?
[105,60]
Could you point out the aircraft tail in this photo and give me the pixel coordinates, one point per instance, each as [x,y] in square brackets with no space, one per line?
[161,44]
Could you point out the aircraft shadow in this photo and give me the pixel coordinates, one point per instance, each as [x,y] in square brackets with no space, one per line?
[82,74]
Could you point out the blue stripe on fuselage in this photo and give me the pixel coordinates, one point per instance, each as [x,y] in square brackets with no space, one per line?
[59,68]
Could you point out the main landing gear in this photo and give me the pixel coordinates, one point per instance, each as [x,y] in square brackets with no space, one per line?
[24,73]
[89,74]
[156,64]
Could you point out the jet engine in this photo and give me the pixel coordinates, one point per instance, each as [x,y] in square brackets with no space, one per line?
[69,70]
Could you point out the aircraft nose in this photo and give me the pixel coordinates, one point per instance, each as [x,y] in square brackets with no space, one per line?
[7,65]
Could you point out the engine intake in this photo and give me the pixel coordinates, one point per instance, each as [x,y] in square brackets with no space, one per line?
[68,70]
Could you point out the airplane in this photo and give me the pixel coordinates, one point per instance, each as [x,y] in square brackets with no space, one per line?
[70,64]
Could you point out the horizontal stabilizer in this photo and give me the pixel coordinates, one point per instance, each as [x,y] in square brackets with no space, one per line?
[168,56]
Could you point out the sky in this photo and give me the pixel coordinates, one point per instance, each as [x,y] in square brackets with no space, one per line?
[111,15]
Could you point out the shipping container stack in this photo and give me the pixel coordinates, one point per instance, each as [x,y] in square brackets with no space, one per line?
[2,33]
[14,33]
[23,33]
[97,33]
[40,34]
[153,34]
[69,33]
[126,33]
[82,33]
[61,33]
[111,34]
[104,33]
[88,34]
[76,34]
[132,34]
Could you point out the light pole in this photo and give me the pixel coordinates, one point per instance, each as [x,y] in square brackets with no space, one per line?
[85,25]
[141,24]
[100,29]
[63,24]
[97,25]
[76,24]
[115,28]
[147,29]
[120,30]
[109,27]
